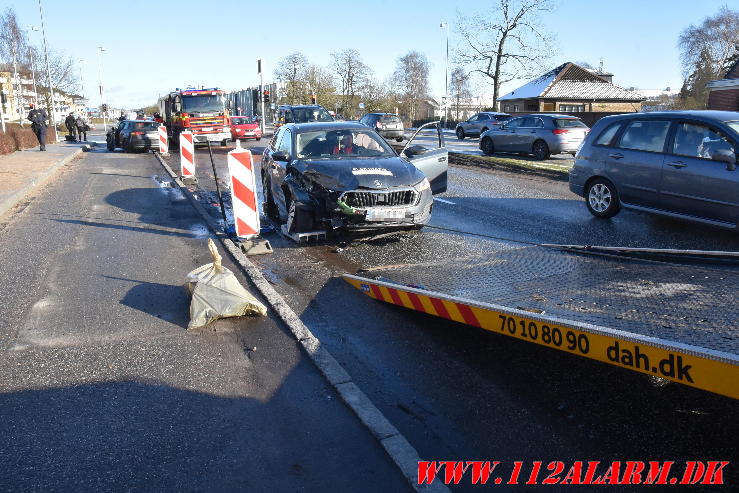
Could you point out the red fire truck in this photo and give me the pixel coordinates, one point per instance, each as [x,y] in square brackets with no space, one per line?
[201,111]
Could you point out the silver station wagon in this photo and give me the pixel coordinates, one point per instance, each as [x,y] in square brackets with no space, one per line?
[675,163]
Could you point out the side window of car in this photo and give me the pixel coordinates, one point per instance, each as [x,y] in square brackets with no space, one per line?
[529,122]
[606,137]
[286,142]
[645,135]
[483,116]
[695,140]
[474,118]
[275,140]
[514,123]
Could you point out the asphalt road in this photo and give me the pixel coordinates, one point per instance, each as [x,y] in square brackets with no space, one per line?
[104,389]
[459,393]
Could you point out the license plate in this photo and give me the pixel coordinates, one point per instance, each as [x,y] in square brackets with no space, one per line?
[385,214]
[248,133]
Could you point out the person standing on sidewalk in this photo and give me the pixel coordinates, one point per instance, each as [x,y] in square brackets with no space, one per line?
[82,128]
[71,127]
[38,125]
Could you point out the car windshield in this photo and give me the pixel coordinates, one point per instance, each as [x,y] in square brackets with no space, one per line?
[390,119]
[304,115]
[202,104]
[240,120]
[569,123]
[341,144]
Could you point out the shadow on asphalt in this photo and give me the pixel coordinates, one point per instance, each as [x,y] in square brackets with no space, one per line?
[146,435]
[165,301]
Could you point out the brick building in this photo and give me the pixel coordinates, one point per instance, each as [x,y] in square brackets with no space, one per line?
[724,94]
[571,88]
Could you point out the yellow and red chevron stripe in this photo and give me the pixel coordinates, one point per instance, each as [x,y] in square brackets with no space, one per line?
[698,367]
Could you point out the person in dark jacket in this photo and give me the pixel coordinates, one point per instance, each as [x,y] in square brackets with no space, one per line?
[37,116]
[71,125]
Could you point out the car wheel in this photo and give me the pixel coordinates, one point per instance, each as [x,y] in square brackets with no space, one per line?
[541,150]
[460,134]
[270,208]
[487,146]
[601,198]
[298,220]
[258,139]
[224,142]
[399,139]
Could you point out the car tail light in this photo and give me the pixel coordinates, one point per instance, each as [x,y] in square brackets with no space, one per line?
[558,131]
[137,133]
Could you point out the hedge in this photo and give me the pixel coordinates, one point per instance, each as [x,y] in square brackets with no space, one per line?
[15,138]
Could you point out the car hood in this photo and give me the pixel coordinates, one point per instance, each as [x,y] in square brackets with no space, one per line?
[349,174]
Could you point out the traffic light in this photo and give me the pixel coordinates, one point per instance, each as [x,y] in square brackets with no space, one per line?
[266,96]
[313,99]
[104,107]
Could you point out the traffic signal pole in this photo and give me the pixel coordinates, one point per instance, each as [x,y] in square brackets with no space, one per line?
[261,92]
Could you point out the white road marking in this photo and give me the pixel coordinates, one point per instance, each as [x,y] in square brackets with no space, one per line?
[445,201]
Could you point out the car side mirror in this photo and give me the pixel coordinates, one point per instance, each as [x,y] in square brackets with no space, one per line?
[280,156]
[725,156]
[415,150]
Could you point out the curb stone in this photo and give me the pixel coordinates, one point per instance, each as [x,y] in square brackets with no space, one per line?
[14,199]
[402,453]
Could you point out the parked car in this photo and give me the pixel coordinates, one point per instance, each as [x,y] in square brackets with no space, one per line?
[302,113]
[480,123]
[388,125]
[321,176]
[538,134]
[680,164]
[133,135]
[245,127]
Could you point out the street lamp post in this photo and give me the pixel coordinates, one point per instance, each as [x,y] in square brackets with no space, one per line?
[33,67]
[100,82]
[445,25]
[52,120]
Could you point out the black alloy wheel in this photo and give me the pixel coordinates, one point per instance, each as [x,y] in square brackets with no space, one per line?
[541,150]
[487,146]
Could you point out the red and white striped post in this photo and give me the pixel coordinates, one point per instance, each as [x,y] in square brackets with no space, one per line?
[163,143]
[243,192]
[187,155]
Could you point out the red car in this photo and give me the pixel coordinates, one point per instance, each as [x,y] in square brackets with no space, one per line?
[245,127]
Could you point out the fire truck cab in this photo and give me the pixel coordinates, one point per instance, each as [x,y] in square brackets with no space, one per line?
[200,111]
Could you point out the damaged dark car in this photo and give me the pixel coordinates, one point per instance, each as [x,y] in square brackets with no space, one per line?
[325,176]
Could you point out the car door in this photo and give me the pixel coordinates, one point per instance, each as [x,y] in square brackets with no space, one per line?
[694,181]
[279,171]
[523,139]
[505,138]
[634,163]
[433,162]
[469,125]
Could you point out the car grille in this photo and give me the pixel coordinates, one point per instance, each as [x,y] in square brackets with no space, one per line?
[363,198]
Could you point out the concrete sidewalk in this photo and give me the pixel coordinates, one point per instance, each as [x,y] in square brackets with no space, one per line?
[22,171]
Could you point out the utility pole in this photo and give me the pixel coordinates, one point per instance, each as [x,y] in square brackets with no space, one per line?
[102,97]
[33,67]
[52,119]
[445,25]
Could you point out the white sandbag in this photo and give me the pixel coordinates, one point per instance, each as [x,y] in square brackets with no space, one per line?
[216,293]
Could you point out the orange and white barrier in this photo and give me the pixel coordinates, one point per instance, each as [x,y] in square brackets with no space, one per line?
[163,143]
[243,192]
[187,154]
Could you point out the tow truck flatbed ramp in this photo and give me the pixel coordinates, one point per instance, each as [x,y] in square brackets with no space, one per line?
[679,322]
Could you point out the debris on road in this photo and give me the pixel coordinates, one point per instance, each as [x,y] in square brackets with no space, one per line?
[216,293]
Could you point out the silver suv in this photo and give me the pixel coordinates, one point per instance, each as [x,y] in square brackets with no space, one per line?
[538,134]
[479,123]
[676,163]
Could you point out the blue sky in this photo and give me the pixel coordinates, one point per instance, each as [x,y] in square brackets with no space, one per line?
[154,46]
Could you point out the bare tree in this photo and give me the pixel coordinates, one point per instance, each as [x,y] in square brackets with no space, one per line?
[292,71]
[411,81]
[352,72]
[320,83]
[376,96]
[705,53]
[508,42]
[459,88]
[713,41]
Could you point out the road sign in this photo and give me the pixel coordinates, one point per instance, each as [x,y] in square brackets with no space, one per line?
[163,144]
[243,192]
[187,155]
